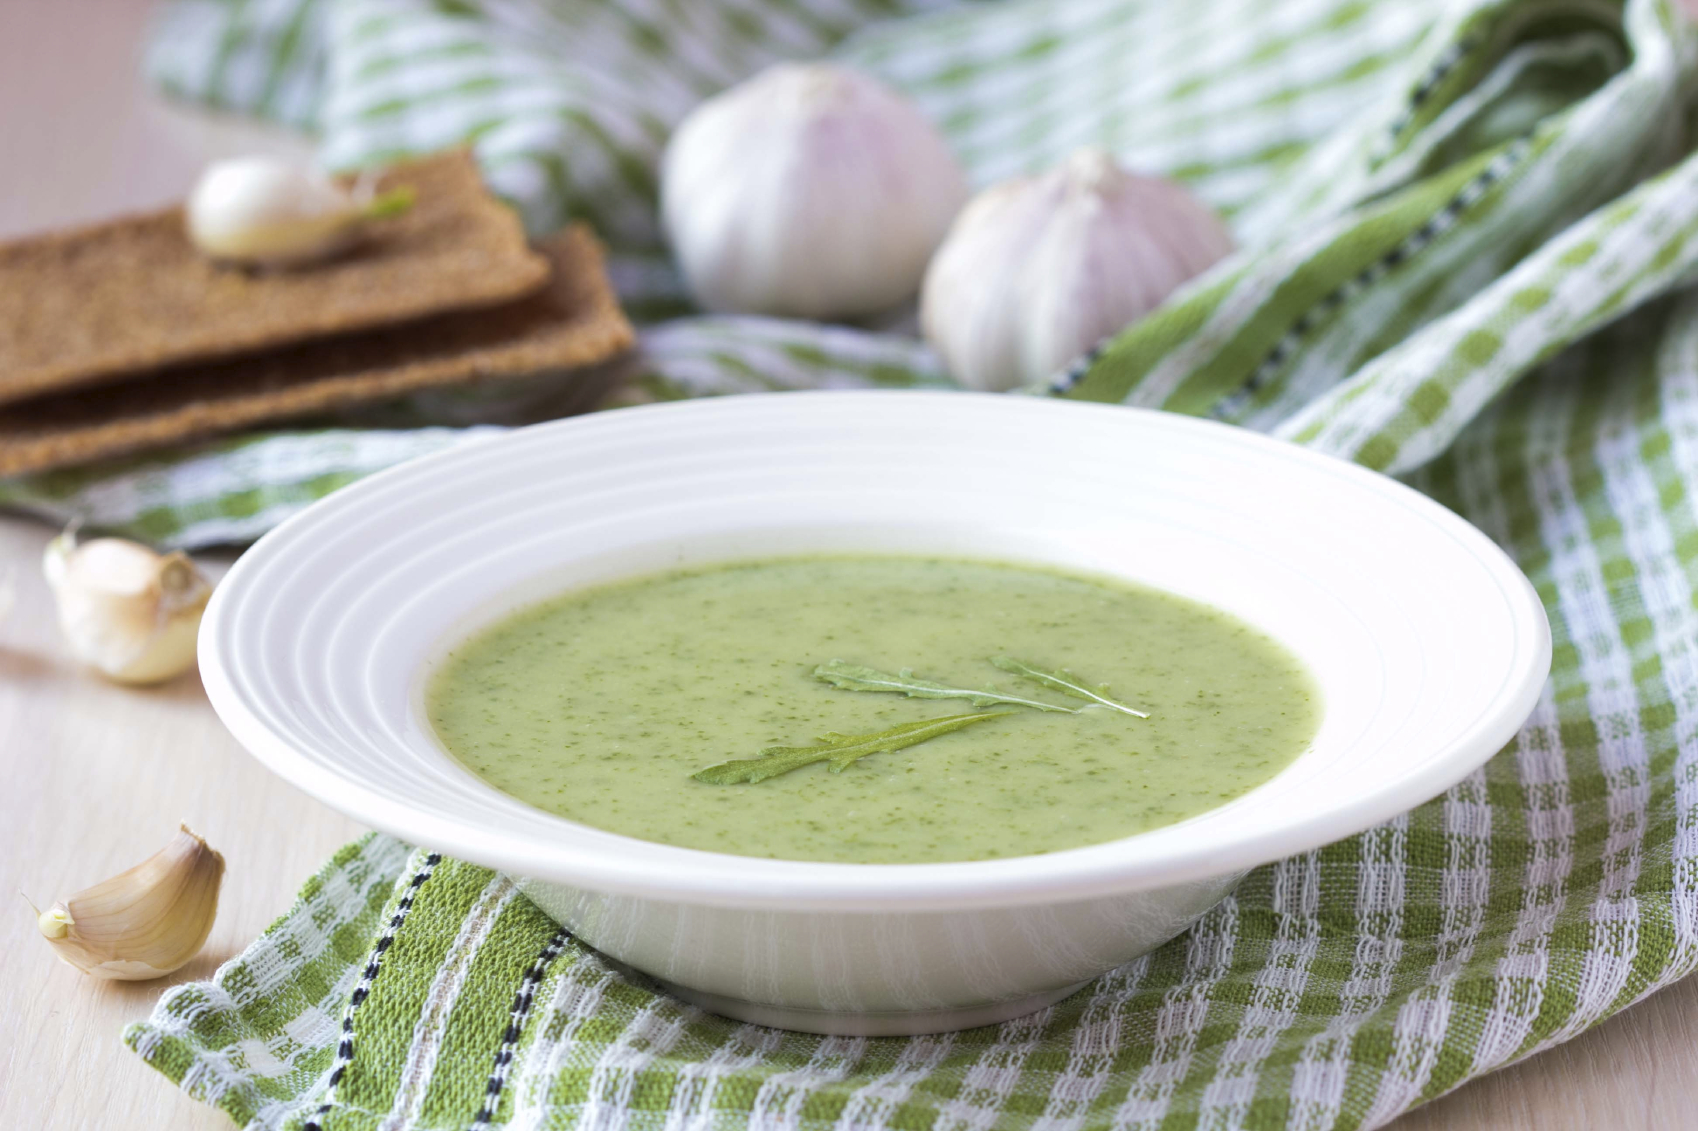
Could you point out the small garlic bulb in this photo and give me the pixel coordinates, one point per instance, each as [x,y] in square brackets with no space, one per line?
[1037,270]
[126,610]
[811,190]
[267,212]
[143,923]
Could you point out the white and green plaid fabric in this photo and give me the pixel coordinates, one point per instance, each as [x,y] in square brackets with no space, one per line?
[1469,241]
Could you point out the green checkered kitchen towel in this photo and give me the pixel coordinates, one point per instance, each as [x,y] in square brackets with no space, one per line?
[1469,236]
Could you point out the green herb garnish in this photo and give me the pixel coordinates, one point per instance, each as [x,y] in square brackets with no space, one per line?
[856,677]
[841,750]
[844,750]
[1065,682]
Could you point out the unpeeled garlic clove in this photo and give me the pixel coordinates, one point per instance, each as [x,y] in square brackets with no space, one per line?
[127,611]
[1037,270]
[812,190]
[143,923]
[267,212]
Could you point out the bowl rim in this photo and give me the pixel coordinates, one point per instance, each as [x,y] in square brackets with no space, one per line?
[709,878]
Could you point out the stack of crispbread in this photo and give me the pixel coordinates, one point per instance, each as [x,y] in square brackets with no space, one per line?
[122,336]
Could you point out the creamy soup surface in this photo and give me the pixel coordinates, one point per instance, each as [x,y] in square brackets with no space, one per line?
[601,704]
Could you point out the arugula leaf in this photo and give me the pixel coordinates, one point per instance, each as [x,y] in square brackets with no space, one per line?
[841,750]
[856,677]
[1065,682]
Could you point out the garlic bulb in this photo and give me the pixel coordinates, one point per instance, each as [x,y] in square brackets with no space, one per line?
[143,923]
[1038,270]
[811,190]
[266,212]
[126,610]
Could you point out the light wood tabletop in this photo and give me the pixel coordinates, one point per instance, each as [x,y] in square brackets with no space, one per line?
[97,776]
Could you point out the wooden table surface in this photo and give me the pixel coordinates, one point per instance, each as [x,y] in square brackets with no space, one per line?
[96,776]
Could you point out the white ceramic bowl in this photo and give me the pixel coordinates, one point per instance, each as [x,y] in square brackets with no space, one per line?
[1429,646]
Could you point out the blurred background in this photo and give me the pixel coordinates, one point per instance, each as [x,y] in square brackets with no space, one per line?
[82,135]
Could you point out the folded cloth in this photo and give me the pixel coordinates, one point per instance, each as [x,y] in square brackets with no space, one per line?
[1468,236]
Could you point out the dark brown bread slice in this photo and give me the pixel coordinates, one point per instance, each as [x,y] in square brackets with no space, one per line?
[574,321]
[98,303]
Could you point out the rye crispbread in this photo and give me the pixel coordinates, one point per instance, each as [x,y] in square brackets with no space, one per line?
[574,321]
[100,303]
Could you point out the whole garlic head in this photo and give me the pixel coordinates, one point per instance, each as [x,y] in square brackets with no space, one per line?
[811,191]
[126,610]
[267,212]
[1038,270]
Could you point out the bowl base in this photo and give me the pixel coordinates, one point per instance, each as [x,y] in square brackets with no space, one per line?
[890,1023]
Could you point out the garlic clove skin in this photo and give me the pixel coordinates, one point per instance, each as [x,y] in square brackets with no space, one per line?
[267,212]
[263,210]
[1038,270]
[127,611]
[811,190]
[145,922]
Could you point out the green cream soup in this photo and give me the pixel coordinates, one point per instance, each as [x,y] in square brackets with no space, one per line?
[602,704]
